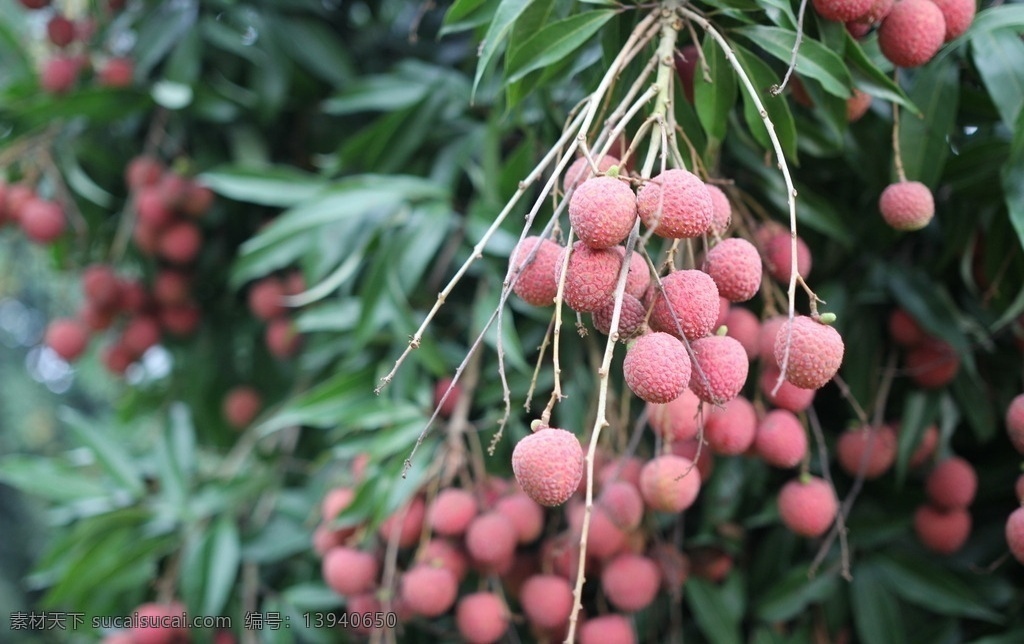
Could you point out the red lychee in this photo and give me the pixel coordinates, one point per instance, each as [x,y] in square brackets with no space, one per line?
[904,329]
[451,512]
[1015,534]
[547,601]
[428,591]
[151,208]
[778,256]
[536,282]
[731,428]
[1015,422]
[677,419]
[141,333]
[842,10]
[720,370]
[441,553]
[857,105]
[676,204]
[656,367]
[933,364]
[407,522]
[579,171]
[952,484]
[180,243]
[117,72]
[526,516]
[481,618]
[912,32]
[695,450]
[67,338]
[925,448]
[266,299]
[942,531]
[693,297]
[669,483]
[171,287]
[815,352]
[735,266]
[491,539]
[607,629]
[42,221]
[441,387]
[590,277]
[59,74]
[60,30]
[349,571]
[101,286]
[875,447]
[789,396]
[622,503]
[744,326]
[548,465]
[638,278]
[602,211]
[958,15]
[630,582]
[240,406]
[907,205]
[282,338]
[631,317]
[604,537]
[198,201]
[722,212]
[808,508]
[766,338]
[781,440]
[180,320]
[150,628]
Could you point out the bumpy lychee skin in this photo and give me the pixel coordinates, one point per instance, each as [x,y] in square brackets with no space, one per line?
[42,221]
[481,618]
[735,266]
[67,338]
[808,509]
[731,428]
[778,256]
[548,465]
[429,591]
[912,32]
[721,368]
[933,364]
[638,279]
[942,531]
[815,352]
[1015,534]
[781,440]
[952,484]
[676,204]
[579,171]
[676,420]
[631,317]
[721,210]
[842,10]
[907,205]
[693,296]
[536,282]
[630,582]
[349,571]
[958,14]
[1015,422]
[656,367]
[546,600]
[669,483]
[590,278]
[525,515]
[875,446]
[452,511]
[607,629]
[744,326]
[788,396]
[602,211]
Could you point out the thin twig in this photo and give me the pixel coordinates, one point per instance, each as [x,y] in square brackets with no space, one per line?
[778,89]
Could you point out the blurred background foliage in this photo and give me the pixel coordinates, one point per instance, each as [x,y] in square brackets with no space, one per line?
[370,144]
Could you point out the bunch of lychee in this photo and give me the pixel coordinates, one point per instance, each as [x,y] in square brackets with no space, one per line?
[267,302]
[42,220]
[1015,522]
[929,361]
[167,208]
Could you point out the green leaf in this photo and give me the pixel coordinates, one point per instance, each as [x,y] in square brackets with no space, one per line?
[48,478]
[460,9]
[313,596]
[110,453]
[923,140]
[383,93]
[281,186]
[1007,16]
[506,15]
[813,59]
[975,402]
[314,45]
[793,593]
[224,556]
[1012,177]
[873,80]
[876,612]
[934,588]
[777,108]
[997,56]
[715,614]
[919,411]
[715,96]
[929,304]
[554,42]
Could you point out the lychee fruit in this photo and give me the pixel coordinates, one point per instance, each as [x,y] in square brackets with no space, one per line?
[735,266]
[1015,422]
[607,629]
[34,4]
[788,396]
[958,14]
[925,447]
[693,298]
[266,299]
[743,325]
[143,171]
[282,338]
[695,450]
[441,553]
[912,33]
[630,582]
[732,427]
[621,469]
[712,564]
[428,591]
[141,333]
[42,221]
[815,352]
[1015,534]
[96,318]
[590,277]
[638,278]
[904,329]
[933,364]
[952,484]
[622,503]
[547,601]
[678,419]
[60,30]
[151,209]
[669,483]
[117,358]
[721,211]
[808,507]
[1018,489]
[481,618]
[874,447]
[349,571]
[406,523]
[101,286]
[240,406]
[942,531]
[536,282]
[857,105]
[181,319]
[451,512]
[720,370]
[149,630]
[548,465]
[842,10]
[604,537]
[491,538]
[781,440]
[778,255]
[602,211]
[117,72]
[171,287]
[579,171]
[631,317]
[67,338]
[656,367]
[59,74]
[180,243]
[907,205]
[525,515]
[676,204]
[766,338]
[446,408]
[335,501]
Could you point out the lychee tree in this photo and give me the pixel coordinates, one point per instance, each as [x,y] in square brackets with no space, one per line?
[520,320]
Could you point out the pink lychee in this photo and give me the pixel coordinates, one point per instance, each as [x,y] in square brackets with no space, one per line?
[731,428]
[676,204]
[630,582]
[907,205]
[602,211]
[720,370]
[942,531]
[535,281]
[548,465]
[693,298]
[657,368]
[912,33]
[815,352]
[952,484]
[590,277]
[735,266]
[808,507]
[669,483]
[874,447]
[781,440]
